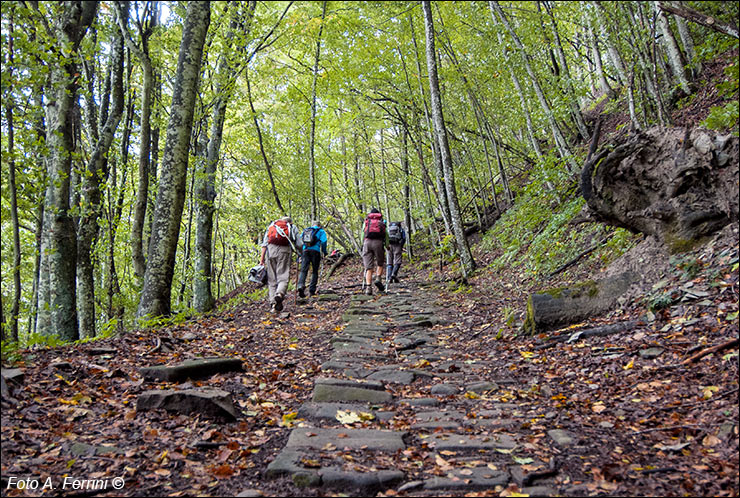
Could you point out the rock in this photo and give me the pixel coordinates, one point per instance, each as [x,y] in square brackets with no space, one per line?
[650,353]
[209,402]
[557,307]
[402,377]
[480,478]
[328,411]
[327,392]
[420,401]
[250,493]
[482,387]
[355,439]
[81,449]
[369,483]
[458,442]
[561,437]
[102,351]
[192,369]
[445,389]
[14,375]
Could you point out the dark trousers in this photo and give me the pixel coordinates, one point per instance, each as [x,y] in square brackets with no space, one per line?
[313,258]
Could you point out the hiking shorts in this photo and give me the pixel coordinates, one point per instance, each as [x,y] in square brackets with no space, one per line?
[373,253]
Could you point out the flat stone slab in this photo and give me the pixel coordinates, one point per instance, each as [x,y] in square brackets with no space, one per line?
[192,369]
[327,392]
[367,482]
[328,411]
[420,401]
[13,375]
[369,384]
[354,439]
[82,449]
[445,425]
[403,377]
[457,442]
[562,437]
[482,387]
[327,297]
[210,402]
[477,478]
[445,389]
[290,462]
[440,415]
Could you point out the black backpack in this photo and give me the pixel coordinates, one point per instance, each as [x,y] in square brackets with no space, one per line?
[310,236]
[395,233]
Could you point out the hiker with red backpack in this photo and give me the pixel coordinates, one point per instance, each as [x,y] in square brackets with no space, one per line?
[314,240]
[373,249]
[279,241]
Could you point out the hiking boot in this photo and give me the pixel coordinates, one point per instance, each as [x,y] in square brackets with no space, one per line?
[368,291]
[278,302]
[272,308]
[301,292]
[311,293]
[379,285]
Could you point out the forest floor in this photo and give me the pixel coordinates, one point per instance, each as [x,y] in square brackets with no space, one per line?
[635,413]
[641,420]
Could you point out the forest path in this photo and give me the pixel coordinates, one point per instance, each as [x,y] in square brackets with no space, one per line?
[395,382]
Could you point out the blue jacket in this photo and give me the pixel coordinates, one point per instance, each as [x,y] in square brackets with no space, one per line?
[320,245]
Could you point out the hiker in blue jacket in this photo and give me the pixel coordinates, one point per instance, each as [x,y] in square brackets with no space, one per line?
[314,246]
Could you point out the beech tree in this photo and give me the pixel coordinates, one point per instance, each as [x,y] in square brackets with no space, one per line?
[155,295]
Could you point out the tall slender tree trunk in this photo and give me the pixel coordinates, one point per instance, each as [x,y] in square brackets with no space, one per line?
[675,57]
[97,173]
[406,190]
[155,296]
[312,139]
[206,190]
[138,245]
[560,141]
[467,264]
[70,28]
[15,307]
[444,208]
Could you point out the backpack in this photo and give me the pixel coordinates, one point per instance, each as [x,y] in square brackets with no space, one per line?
[310,236]
[374,226]
[395,233]
[278,233]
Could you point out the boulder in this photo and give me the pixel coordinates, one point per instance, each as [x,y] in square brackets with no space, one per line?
[209,402]
[192,369]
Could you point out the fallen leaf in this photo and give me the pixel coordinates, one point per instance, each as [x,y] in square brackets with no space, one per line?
[711,440]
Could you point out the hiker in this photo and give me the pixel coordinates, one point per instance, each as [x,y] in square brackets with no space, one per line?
[314,245]
[396,239]
[373,249]
[281,237]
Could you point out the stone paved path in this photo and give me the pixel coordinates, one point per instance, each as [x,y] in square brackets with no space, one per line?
[388,359]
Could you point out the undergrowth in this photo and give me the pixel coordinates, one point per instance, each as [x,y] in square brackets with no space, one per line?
[536,235]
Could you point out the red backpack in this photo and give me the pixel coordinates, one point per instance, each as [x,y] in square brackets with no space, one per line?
[374,226]
[278,233]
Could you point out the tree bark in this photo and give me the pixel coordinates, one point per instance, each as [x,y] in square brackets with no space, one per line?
[729,29]
[560,141]
[312,139]
[15,307]
[97,173]
[142,192]
[206,191]
[155,296]
[467,264]
[675,57]
[70,27]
